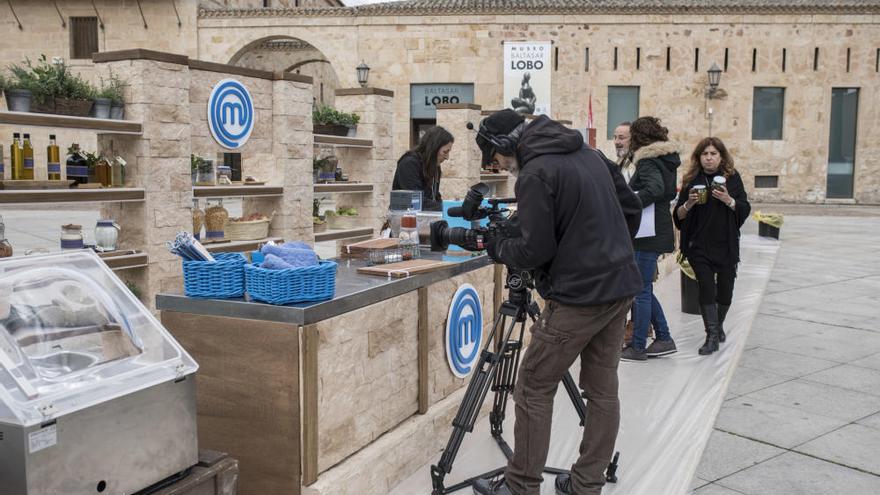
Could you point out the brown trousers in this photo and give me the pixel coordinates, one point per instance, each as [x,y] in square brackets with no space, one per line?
[561,334]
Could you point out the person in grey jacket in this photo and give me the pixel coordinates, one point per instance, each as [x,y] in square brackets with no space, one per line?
[654,181]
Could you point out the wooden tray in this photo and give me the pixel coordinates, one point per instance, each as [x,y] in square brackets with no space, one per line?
[363,248]
[34,184]
[404,268]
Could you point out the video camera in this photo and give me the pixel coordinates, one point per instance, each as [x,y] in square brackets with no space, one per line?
[472,209]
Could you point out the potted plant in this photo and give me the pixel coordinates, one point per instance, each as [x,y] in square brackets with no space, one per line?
[202,171]
[113,91]
[328,120]
[324,169]
[18,94]
[768,224]
[55,89]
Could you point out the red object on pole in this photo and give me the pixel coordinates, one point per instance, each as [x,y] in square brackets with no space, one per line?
[591,137]
[591,131]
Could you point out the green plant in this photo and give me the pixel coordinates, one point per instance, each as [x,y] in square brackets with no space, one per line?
[91,158]
[327,115]
[198,164]
[346,211]
[318,163]
[46,80]
[113,88]
[316,205]
[135,290]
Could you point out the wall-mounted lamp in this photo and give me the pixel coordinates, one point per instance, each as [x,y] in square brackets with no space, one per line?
[714,79]
[363,72]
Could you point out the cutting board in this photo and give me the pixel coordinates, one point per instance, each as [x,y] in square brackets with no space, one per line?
[361,249]
[35,184]
[404,268]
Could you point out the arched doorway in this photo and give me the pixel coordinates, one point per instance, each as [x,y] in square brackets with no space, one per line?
[289,54]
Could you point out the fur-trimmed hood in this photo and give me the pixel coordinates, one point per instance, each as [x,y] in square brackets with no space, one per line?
[656,149]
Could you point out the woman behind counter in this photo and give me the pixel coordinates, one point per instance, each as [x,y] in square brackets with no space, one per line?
[710,231]
[419,168]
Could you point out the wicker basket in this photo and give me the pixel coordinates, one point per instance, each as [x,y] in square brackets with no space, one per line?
[75,108]
[247,231]
[291,285]
[342,221]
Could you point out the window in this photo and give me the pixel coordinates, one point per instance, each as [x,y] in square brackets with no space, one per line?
[754,59]
[668,58]
[696,60]
[842,142]
[83,37]
[767,110]
[848,57]
[816,59]
[726,58]
[783,59]
[586,60]
[638,58]
[623,104]
[615,58]
[766,181]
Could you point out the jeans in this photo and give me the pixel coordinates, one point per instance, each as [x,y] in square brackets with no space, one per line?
[646,307]
[562,335]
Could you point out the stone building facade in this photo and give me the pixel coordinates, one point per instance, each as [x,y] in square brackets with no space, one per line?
[814,50]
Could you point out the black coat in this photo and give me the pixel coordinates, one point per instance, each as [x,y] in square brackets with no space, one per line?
[577,217]
[711,231]
[410,176]
[654,182]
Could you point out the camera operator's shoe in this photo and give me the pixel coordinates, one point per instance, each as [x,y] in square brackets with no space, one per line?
[661,348]
[488,487]
[633,354]
[563,484]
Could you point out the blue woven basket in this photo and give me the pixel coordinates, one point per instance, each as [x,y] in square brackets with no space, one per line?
[310,283]
[222,278]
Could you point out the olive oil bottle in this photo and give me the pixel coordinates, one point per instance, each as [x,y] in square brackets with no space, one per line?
[28,154]
[53,159]
[16,157]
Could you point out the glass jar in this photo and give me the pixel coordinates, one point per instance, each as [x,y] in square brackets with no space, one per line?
[409,236]
[198,218]
[205,175]
[71,237]
[5,247]
[216,217]
[224,175]
[117,178]
[103,172]
[106,235]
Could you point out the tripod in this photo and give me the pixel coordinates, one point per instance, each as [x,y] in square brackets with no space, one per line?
[497,370]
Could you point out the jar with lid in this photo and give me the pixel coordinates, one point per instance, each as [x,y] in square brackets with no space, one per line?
[198,218]
[106,235]
[5,247]
[215,220]
[224,175]
[117,176]
[71,237]
[409,236]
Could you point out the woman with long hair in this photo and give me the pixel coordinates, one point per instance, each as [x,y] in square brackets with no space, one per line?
[711,208]
[419,168]
[656,160]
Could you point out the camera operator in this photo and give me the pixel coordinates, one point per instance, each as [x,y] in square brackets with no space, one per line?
[577,218]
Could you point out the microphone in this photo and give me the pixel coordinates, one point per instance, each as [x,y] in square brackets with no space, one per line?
[491,140]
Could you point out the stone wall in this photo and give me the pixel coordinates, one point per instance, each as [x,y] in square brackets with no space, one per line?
[433,49]
[368,366]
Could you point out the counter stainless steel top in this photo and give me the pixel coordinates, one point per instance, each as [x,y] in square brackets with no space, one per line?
[353,291]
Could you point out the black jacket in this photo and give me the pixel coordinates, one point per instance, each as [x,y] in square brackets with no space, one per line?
[411,177]
[577,217]
[711,231]
[654,182]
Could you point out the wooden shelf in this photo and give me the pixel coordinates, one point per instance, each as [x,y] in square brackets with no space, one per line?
[342,187]
[503,177]
[8,196]
[343,142]
[238,246]
[236,191]
[125,260]
[102,126]
[338,235]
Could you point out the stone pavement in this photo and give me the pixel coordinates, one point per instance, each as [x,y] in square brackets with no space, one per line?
[802,415]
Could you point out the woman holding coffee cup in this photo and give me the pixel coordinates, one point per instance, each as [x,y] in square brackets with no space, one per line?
[712,206]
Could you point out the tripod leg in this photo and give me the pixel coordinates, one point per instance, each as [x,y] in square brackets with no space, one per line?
[473,400]
[574,394]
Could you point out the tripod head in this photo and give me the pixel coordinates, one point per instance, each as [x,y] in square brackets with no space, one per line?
[519,284]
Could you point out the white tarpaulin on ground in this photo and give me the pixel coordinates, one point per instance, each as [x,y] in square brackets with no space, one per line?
[527,69]
[668,405]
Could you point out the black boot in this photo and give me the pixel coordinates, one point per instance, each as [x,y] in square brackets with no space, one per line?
[710,321]
[722,313]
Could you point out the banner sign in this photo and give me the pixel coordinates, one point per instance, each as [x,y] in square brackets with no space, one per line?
[527,68]
[424,98]
[464,331]
[230,114]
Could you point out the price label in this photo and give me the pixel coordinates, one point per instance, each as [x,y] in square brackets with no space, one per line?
[42,439]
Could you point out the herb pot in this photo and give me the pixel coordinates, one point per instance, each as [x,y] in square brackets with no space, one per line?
[18,100]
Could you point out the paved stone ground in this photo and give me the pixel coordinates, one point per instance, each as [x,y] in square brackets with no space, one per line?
[803,410]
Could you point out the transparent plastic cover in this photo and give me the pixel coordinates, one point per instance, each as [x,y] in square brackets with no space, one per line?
[72,335]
